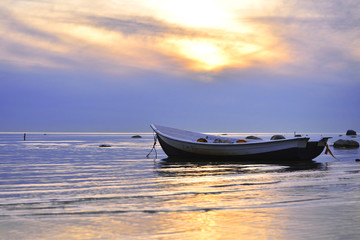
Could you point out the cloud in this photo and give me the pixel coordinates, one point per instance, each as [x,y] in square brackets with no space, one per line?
[321,36]
[14,24]
[134,25]
[25,45]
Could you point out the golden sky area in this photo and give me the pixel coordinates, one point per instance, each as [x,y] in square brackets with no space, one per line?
[158,35]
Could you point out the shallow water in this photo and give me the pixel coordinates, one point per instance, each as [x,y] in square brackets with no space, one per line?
[64,186]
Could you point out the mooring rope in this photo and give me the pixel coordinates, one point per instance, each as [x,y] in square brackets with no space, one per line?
[328,151]
[153,147]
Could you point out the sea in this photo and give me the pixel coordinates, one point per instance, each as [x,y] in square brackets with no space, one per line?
[65,186]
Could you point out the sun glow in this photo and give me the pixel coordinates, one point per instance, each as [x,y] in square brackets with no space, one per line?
[223,39]
[215,54]
[203,55]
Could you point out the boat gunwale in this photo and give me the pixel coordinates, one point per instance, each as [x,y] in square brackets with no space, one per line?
[157,131]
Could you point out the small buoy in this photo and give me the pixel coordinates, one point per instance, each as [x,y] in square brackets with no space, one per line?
[357,160]
[241,141]
[201,140]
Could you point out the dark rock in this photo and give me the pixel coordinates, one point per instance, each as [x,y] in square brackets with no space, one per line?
[253,137]
[350,133]
[277,137]
[346,144]
[357,160]
[136,136]
[104,145]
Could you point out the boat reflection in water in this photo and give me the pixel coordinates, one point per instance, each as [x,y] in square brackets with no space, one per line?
[177,166]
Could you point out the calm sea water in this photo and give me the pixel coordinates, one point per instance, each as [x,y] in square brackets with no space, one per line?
[64,186]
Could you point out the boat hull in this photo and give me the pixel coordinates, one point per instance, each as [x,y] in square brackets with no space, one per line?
[309,152]
[288,149]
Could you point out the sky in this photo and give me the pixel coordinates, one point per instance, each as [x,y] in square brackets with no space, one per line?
[201,65]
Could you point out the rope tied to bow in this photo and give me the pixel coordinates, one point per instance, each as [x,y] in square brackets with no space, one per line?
[153,147]
[328,151]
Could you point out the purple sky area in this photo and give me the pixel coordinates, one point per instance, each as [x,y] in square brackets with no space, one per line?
[211,66]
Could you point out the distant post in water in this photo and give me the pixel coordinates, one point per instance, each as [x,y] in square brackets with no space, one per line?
[24,136]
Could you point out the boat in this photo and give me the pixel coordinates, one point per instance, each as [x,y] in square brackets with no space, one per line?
[182,143]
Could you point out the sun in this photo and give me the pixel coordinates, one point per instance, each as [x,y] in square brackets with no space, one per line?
[204,55]
[201,54]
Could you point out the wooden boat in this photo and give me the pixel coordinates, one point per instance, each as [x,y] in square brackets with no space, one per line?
[182,143]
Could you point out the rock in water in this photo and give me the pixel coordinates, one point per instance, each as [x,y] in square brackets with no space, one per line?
[350,133]
[346,144]
[136,136]
[277,137]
